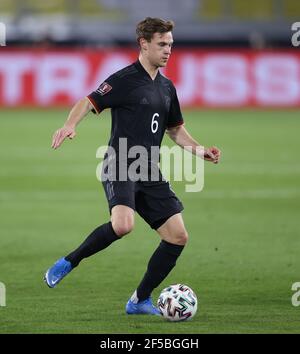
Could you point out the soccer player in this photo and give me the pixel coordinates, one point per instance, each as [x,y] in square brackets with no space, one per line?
[144,105]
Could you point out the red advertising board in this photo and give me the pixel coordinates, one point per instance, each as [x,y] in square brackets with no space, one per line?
[203,78]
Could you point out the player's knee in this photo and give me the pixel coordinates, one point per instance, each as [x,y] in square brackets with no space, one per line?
[181,237]
[123,227]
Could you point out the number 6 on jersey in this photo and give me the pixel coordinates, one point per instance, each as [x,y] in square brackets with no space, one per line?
[154,123]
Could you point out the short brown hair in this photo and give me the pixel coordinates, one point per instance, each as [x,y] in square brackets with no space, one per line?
[149,26]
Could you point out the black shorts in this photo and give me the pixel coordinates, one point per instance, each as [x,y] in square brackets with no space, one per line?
[155,202]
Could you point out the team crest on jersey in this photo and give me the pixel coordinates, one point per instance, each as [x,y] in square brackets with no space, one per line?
[104,88]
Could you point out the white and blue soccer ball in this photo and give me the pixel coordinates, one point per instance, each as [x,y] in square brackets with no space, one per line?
[177,302]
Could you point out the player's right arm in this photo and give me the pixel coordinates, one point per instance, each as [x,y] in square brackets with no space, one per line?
[108,95]
[77,113]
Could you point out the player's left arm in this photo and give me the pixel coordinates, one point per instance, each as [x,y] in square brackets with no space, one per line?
[182,138]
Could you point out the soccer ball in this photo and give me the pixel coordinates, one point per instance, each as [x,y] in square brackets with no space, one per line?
[177,303]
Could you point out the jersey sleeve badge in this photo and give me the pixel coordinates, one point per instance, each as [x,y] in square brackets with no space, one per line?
[104,88]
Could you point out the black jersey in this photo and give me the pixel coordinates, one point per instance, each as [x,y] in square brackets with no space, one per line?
[142,108]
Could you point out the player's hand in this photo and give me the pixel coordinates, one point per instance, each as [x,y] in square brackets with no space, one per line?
[61,134]
[212,154]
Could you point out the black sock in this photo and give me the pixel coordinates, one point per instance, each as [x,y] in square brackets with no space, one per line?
[99,239]
[161,263]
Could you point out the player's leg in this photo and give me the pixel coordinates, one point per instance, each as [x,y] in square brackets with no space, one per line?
[173,239]
[122,221]
[163,213]
[173,230]
[121,203]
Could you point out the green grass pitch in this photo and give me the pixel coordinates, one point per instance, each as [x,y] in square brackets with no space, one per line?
[243,253]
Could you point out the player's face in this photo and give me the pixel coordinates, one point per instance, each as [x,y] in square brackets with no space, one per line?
[159,49]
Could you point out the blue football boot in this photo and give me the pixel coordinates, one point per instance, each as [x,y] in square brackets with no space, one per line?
[57,272]
[144,307]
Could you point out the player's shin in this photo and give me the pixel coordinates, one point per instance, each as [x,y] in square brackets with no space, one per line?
[160,264]
[98,240]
